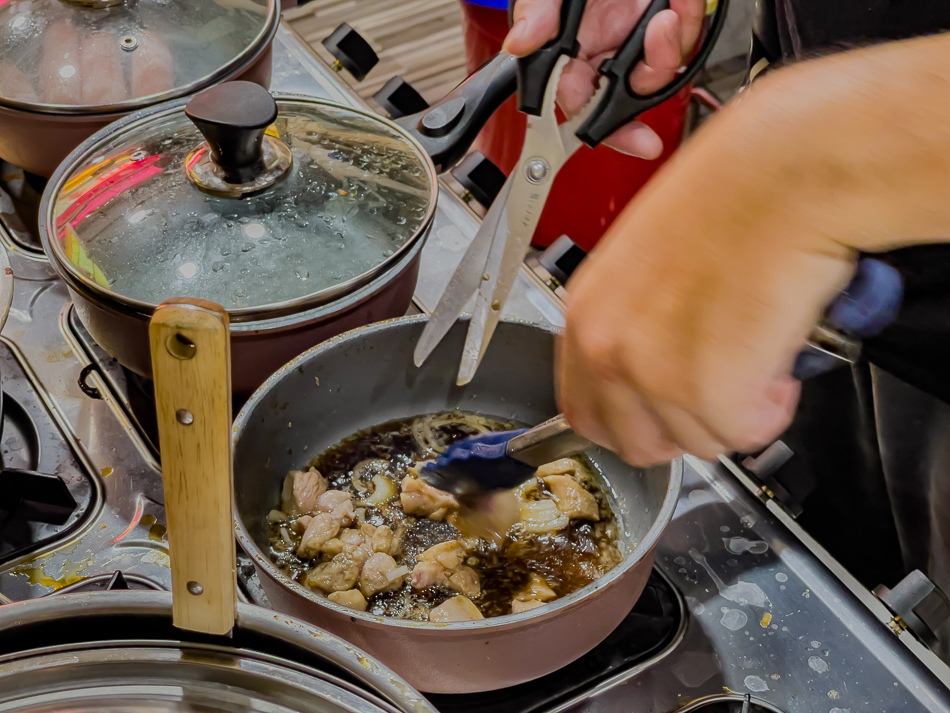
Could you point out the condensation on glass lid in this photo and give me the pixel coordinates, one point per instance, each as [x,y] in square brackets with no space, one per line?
[68,54]
[130,220]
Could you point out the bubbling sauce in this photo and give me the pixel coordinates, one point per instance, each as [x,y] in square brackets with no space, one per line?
[373,466]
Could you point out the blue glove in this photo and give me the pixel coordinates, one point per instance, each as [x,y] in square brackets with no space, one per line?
[864,309]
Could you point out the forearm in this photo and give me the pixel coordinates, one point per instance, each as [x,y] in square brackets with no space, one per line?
[853,147]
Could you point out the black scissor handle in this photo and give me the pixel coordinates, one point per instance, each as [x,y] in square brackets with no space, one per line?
[620,104]
[535,70]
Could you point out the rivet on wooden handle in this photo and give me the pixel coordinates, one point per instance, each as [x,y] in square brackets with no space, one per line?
[191,363]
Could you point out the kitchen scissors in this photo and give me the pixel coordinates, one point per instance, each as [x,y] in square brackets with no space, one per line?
[490,266]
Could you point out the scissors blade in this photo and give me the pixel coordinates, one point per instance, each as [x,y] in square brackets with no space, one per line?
[529,184]
[463,283]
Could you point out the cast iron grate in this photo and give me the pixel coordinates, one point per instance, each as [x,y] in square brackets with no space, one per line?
[651,627]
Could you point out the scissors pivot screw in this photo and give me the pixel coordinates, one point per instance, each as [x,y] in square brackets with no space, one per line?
[537,170]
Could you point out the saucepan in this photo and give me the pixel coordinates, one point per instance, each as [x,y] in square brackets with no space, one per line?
[367,377]
[301,217]
[68,68]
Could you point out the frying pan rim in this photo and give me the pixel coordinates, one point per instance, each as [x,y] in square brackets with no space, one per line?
[643,548]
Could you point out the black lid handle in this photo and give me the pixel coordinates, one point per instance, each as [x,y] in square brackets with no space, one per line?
[233,118]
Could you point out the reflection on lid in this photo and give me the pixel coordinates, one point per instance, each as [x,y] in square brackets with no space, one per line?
[356,193]
[64,53]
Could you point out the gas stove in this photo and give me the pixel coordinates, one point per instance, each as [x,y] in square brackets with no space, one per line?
[744,612]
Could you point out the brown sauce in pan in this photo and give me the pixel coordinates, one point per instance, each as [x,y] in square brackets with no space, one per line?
[568,560]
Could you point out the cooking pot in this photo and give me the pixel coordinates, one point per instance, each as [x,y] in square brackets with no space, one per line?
[69,67]
[118,651]
[301,217]
[366,377]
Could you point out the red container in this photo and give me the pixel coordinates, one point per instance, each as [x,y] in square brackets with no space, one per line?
[595,185]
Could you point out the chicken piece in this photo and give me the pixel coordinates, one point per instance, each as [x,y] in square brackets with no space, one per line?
[301,491]
[354,545]
[339,503]
[457,608]
[301,523]
[59,77]
[426,574]
[153,69]
[351,538]
[322,528]
[449,555]
[100,62]
[542,516]
[518,606]
[379,539]
[16,85]
[536,588]
[333,547]
[351,598]
[572,498]
[337,575]
[442,566]
[420,498]
[465,581]
[381,574]
[564,466]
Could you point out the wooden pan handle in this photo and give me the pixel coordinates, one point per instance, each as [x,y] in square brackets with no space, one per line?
[191,363]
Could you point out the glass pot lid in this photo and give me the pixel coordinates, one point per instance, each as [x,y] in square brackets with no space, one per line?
[95,56]
[265,207]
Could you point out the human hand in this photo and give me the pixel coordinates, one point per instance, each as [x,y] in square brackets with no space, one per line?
[684,324]
[669,40]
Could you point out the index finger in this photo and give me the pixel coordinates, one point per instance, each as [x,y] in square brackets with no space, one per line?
[536,22]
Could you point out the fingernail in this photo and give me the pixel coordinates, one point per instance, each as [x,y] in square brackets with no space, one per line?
[515,34]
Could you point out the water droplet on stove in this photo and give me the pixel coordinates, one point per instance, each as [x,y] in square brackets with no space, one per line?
[818,664]
[733,619]
[755,684]
[218,266]
[781,577]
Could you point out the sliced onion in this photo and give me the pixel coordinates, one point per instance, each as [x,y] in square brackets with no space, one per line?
[397,573]
[364,470]
[543,516]
[285,536]
[384,490]
[423,428]
[276,516]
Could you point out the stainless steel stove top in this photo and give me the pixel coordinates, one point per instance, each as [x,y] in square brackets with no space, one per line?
[742,603]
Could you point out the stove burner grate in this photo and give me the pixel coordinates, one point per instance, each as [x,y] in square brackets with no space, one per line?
[729,704]
[108,583]
[45,493]
[651,627]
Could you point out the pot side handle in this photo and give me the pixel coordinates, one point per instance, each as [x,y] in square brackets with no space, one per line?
[191,363]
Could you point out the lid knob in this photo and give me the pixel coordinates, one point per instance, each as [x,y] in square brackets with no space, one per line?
[238,158]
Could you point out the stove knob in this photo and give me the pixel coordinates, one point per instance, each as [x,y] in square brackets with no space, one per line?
[562,258]
[399,98]
[351,51]
[480,177]
[922,606]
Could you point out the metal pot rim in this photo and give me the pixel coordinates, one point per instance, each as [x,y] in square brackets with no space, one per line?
[642,549]
[286,320]
[382,681]
[71,274]
[254,49]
